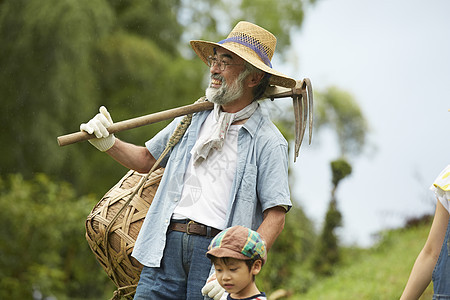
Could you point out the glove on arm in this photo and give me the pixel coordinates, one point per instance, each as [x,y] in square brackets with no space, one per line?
[98,125]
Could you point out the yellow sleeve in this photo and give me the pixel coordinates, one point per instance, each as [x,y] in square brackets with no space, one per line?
[443,180]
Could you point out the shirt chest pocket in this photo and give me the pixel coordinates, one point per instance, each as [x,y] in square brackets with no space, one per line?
[247,190]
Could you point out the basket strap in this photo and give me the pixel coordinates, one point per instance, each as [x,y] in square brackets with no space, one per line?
[174,139]
[121,292]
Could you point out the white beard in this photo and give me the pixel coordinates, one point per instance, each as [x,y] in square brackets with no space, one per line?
[226,94]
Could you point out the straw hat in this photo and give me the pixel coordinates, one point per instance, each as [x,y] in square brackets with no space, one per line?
[252,43]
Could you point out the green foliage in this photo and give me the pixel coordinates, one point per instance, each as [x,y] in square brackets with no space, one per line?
[150,19]
[378,273]
[287,259]
[339,110]
[60,61]
[125,83]
[328,253]
[204,18]
[340,169]
[45,72]
[42,242]
[268,12]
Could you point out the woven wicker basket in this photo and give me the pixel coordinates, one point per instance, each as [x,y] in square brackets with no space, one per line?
[115,257]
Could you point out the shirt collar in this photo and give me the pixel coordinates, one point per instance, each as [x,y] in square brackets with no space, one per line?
[251,125]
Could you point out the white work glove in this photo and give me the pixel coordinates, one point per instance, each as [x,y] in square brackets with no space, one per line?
[213,289]
[98,125]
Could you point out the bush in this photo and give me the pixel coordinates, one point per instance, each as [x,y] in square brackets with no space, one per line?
[42,244]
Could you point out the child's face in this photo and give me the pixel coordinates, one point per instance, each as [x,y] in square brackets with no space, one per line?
[235,276]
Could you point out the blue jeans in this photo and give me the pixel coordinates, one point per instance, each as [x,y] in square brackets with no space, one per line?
[441,272]
[183,271]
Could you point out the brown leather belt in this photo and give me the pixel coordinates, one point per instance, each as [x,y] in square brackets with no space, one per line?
[194,228]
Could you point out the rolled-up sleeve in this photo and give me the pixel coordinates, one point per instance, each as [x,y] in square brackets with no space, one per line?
[157,144]
[273,183]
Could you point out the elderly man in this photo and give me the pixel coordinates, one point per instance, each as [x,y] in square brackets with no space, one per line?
[230,168]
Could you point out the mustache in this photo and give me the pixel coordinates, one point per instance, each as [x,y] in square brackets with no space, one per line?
[218,77]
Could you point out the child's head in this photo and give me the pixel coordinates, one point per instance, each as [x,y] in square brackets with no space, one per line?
[238,254]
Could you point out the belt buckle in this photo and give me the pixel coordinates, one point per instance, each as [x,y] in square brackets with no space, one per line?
[188,225]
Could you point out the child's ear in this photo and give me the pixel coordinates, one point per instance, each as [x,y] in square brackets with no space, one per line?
[256,268]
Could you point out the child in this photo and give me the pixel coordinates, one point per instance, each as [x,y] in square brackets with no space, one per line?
[238,254]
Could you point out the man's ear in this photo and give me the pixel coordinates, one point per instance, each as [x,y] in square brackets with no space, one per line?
[255,78]
[256,268]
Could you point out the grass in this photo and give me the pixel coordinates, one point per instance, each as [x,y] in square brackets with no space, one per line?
[377,273]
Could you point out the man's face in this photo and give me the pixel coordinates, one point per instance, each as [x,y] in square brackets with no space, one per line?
[226,85]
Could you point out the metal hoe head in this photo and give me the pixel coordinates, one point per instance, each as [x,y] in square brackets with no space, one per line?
[302,97]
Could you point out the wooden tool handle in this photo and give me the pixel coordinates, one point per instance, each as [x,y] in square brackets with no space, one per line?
[271,92]
[137,122]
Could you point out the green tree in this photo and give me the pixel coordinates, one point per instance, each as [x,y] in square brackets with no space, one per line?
[328,245]
[153,20]
[46,79]
[42,242]
[286,266]
[338,110]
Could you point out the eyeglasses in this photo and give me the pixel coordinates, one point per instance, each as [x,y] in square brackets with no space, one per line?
[222,65]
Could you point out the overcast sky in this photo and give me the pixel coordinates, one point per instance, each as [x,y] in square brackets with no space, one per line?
[393,57]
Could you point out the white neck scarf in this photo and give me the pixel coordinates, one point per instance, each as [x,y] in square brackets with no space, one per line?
[219,131]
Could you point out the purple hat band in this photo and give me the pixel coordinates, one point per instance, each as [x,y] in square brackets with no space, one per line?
[260,52]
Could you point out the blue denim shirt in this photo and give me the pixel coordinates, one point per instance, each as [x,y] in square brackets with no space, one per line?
[441,272]
[261,180]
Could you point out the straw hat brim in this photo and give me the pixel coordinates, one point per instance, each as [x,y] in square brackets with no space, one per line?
[205,49]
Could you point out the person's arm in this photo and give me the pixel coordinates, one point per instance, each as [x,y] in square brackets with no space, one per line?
[272,224]
[134,157]
[422,270]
